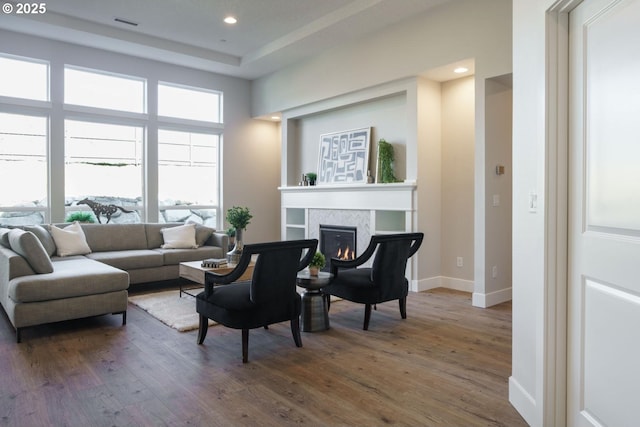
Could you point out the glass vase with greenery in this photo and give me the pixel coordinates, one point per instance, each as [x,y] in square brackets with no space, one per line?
[239,217]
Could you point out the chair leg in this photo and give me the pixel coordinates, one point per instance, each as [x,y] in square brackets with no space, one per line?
[202,330]
[367,316]
[245,345]
[295,330]
[403,307]
[124,318]
[18,335]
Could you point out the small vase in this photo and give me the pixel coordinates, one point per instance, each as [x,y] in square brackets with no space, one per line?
[313,271]
[233,256]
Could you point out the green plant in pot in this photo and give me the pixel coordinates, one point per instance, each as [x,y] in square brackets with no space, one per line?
[239,217]
[317,263]
[312,177]
[385,161]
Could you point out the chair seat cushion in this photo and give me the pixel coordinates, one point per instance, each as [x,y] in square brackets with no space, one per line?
[356,285]
[231,306]
[231,297]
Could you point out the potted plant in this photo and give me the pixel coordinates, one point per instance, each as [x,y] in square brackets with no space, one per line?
[312,176]
[317,262]
[385,158]
[239,217]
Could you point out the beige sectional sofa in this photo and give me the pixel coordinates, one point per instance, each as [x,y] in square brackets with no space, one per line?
[37,286]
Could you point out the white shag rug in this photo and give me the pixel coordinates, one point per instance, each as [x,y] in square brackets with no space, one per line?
[171,309]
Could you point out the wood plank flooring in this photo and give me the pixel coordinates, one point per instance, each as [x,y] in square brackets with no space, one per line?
[447,364]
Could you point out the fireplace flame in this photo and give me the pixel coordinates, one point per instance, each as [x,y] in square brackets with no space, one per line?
[348,254]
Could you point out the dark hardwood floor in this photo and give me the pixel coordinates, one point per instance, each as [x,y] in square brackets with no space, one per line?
[447,364]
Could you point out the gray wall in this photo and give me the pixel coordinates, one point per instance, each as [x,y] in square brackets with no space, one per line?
[386,117]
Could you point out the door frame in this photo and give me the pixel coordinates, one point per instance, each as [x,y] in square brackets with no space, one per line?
[555,335]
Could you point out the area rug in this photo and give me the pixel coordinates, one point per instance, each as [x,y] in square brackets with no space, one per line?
[171,309]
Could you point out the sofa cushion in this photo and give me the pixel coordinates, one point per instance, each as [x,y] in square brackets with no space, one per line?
[70,278]
[130,259]
[180,237]
[26,243]
[115,237]
[44,236]
[4,237]
[154,236]
[176,256]
[70,240]
[203,233]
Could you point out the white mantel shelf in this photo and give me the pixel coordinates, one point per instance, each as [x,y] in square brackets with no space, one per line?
[391,197]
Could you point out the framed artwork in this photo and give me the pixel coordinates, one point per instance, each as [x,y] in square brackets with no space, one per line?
[344,157]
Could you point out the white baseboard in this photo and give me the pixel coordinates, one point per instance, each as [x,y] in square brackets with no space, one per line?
[425,284]
[524,403]
[442,282]
[491,299]
[457,284]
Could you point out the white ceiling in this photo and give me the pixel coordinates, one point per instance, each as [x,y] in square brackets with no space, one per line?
[269,35]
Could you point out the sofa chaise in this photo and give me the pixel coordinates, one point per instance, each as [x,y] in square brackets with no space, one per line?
[39,286]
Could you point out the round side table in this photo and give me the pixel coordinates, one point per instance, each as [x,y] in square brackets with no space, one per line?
[315,313]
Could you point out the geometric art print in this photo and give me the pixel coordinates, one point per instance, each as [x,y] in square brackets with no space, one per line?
[344,157]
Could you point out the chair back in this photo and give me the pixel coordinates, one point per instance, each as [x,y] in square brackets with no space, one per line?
[390,262]
[278,263]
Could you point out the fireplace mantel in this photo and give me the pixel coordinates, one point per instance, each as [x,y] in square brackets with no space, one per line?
[379,208]
[387,197]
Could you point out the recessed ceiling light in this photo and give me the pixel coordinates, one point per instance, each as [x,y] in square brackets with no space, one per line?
[460,70]
[230,20]
[275,118]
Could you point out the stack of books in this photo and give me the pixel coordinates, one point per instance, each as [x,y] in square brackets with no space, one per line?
[214,263]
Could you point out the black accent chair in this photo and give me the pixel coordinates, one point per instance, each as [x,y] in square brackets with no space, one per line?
[384,281]
[270,296]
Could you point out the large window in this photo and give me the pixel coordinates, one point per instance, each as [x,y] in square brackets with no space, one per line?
[97,145]
[189,103]
[188,175]
[103,162]
[101,90]
[23,140]
[23,169]
[24,78]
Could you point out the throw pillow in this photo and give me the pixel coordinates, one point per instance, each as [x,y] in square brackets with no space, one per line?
[202,234]
[44,236]
[26,243]
[180,237]
[4,237]
[70,240]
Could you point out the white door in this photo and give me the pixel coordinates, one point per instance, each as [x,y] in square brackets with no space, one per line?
[603,362]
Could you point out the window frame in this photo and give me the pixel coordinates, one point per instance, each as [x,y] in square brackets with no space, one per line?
[56,111]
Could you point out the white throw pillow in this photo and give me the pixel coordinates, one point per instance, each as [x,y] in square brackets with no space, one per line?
[70,240]
[180,237]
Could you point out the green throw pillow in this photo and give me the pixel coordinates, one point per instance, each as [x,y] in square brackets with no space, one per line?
[26,243]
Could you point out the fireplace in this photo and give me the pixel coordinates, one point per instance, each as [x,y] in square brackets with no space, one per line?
[337,241]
